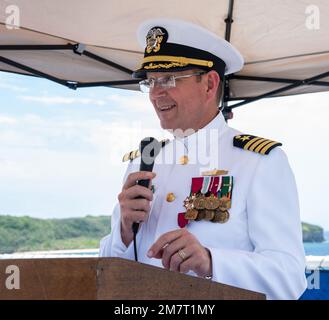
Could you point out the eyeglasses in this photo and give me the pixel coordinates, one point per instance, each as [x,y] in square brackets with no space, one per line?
[164,82]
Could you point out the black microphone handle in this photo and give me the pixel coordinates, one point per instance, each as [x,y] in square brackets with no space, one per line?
[144,183]
[147,163]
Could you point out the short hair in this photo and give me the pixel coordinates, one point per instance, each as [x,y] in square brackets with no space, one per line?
[219,92]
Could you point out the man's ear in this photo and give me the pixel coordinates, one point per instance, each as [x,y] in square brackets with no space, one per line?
[212,84]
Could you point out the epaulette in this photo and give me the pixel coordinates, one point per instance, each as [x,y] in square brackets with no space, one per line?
[256,144]
[136,153]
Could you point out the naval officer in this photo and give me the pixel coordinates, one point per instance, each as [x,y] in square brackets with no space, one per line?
[223,204]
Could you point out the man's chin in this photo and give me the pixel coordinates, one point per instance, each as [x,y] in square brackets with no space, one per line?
[166,125]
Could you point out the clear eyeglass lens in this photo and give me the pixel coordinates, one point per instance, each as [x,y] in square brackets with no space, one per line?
[145,86]
[163,82]
[166,82]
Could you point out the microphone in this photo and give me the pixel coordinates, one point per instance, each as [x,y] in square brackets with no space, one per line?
[149,148]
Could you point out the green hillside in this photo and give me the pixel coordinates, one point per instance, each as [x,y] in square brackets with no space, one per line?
[312,233]
[31,234]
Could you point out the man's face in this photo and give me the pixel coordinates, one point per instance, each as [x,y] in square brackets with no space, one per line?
[181,107]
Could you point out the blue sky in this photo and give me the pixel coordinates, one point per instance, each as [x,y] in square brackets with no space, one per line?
[61,150]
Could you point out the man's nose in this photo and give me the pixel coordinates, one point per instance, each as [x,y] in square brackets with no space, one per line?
[157,91]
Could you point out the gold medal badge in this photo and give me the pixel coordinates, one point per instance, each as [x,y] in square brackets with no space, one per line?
[199,202]
[212,202]
[209,215]
[224,203]
[191,214]
[188,202]
[201,215]
[221,216]
[210,199]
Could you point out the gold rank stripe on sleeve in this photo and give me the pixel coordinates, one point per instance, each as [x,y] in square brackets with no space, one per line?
[256,144]
[136,153]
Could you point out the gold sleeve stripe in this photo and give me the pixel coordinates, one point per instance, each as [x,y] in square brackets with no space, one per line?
[250,143]
[262,145]
[269,146]
[182,60]
[256,144]
[136,153]
[125,157]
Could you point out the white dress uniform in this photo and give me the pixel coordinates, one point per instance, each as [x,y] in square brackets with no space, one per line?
[260,246]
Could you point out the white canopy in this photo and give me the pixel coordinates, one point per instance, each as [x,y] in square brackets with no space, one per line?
[281,40]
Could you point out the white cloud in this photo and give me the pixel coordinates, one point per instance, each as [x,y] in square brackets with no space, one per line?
[8,86]
[63,100]
[7,120]
[137,102]
[115,139]
[13,169]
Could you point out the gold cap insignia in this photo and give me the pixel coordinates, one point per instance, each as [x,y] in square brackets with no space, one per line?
[154,38]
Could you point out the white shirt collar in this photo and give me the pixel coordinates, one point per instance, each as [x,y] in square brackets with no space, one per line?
[218,123]
[203,144]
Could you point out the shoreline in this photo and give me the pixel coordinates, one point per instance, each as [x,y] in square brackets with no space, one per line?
[313,262]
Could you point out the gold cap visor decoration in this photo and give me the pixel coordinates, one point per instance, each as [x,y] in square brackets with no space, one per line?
[176,45]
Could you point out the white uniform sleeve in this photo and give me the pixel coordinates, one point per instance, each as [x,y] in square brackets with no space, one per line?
[112,245]
[276,267]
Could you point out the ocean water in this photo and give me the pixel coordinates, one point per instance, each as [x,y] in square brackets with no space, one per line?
[311,249]
[316,249]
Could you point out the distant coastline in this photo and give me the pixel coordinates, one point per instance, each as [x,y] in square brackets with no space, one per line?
[312,233]
[18,234]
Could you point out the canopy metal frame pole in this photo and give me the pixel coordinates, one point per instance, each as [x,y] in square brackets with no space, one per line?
[227,109]
[226,80]
[33,71]
[294,85]
[67,83]
[106,83]
[278,80]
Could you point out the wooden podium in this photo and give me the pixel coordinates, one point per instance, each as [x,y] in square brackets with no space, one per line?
[108,279]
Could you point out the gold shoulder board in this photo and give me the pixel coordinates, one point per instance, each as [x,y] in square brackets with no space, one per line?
[256,144]
[136,153]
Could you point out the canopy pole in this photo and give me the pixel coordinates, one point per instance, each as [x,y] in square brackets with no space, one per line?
[277,80]
[107,62]
[18,47]
[76,48]
[106,83]
[227,112]
[286,88]
[37,72]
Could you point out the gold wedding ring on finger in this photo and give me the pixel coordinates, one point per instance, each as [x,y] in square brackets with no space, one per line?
[182,254]
[165,246]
